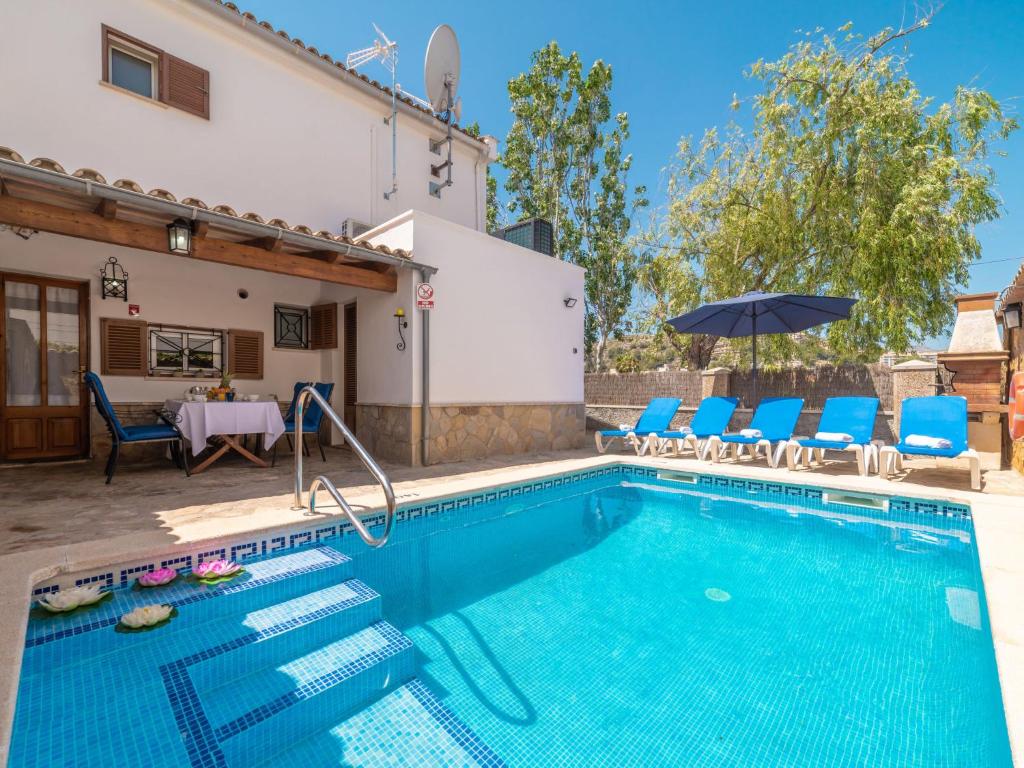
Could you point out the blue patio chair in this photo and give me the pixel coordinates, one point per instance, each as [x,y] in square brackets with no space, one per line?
[312,418]
[852,417]
[773,424]
[167,432]
[657,417]
[712,418]
[938,417]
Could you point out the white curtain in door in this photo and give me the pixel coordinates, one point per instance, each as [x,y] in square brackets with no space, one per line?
[22,323]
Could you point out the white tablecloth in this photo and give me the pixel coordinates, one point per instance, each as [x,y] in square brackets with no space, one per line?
[200,421]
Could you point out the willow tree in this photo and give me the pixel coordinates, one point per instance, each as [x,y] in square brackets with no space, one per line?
[565,162]
[849,182]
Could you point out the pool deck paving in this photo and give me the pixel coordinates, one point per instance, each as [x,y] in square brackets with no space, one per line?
[61,518]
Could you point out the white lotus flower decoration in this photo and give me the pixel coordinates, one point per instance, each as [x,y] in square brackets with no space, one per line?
[146,616]
[67,600]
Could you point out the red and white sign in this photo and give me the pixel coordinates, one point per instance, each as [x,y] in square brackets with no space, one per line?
[424,296]
[134,310]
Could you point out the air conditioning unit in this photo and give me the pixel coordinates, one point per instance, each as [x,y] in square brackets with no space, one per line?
[354,229]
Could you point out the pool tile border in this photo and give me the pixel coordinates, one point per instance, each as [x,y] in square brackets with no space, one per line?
[278,542]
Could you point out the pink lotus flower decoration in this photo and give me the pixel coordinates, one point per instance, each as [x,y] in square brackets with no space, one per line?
[216,569]
[158,577]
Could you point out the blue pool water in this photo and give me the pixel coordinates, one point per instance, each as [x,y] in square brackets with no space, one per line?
[621,620]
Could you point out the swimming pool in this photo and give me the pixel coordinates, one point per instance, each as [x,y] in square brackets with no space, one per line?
[607,618]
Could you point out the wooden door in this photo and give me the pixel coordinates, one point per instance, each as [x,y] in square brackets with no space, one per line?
[44,332]
[351,377]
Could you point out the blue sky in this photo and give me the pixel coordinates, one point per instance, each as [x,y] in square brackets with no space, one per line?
[677,64]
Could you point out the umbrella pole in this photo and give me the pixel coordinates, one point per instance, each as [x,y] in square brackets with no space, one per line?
[753,341]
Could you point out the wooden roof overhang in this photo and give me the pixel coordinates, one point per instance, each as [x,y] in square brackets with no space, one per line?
[37,198]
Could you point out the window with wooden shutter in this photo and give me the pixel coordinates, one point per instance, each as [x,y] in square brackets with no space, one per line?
[185,86]
[323,326]
[123,347]
[144,69]
[245,354]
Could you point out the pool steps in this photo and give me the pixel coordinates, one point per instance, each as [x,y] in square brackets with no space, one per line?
[289,664]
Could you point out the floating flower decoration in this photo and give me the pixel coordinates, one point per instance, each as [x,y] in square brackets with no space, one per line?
[216,570]
[67,600]
[157,577]
[146,616]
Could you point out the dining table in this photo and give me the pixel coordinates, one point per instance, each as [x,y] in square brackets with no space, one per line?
[225,422]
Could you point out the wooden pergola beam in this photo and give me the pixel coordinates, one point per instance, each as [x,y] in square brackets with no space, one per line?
[45,217]
[107,209]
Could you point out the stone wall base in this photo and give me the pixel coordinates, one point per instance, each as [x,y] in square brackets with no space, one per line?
[459,432]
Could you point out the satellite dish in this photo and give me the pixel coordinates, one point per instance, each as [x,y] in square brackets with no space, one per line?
[441,68]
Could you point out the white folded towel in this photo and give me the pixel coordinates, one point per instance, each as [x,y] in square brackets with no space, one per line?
[923,441]
[625,427]
[834,437]
[751,433]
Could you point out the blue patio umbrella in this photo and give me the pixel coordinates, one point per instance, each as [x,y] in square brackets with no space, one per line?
[758,312]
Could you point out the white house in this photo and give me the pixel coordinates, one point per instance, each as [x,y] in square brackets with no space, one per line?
[275,158]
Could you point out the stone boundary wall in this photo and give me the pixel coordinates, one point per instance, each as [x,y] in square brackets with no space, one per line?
[817,384]
[639,388]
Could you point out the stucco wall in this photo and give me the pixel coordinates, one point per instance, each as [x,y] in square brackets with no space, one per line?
[284,138]
[500,331]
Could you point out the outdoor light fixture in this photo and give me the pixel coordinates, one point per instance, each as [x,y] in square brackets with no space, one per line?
[179,237]
[114,280]
[1011,316]
[569,302]
[402,323]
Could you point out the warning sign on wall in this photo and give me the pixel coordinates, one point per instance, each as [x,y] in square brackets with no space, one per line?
[424,296]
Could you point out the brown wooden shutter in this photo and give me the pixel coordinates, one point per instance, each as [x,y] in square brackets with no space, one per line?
[185,86]
[245,354]
[123,347]
[323,326]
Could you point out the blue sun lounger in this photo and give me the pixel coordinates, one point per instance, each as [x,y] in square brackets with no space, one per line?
[712,418]
[657,417]
[853,417]
[939,417]
[772,425]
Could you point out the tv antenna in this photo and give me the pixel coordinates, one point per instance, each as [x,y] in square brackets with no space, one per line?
[386,51]
[441,69]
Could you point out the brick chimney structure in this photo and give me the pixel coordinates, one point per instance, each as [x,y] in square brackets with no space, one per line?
[976,358]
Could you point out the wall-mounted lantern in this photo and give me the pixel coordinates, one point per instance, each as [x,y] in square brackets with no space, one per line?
[113,280]
[569,302]
[179,237]
[1011,315]
[402,324]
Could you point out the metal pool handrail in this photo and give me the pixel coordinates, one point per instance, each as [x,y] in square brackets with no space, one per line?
[369,462]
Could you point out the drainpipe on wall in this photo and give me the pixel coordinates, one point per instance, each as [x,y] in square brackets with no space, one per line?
[425,374]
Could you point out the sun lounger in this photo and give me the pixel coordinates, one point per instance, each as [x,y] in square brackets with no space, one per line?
[712,418]
[846,424]
[771,428]
[657,417]
[941,417]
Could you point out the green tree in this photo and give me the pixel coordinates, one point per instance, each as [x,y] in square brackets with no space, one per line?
[565,163]
[849,182]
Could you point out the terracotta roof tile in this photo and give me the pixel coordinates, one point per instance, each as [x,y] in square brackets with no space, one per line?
[163,194]
[95,176]
[48,164]
[90,174]
[129,185]
[310,49]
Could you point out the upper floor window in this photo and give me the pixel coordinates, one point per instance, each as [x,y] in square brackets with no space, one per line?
[133,68]
[150,72]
